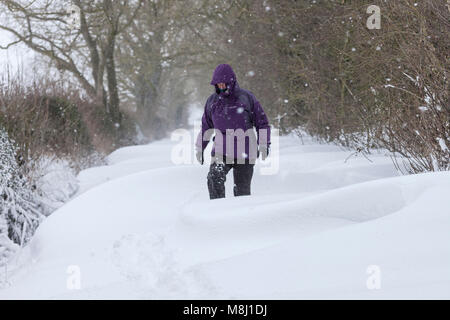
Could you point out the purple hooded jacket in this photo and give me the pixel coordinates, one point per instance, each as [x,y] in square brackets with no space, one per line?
[227,112]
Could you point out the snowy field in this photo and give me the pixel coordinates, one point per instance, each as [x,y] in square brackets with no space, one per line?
[144,228]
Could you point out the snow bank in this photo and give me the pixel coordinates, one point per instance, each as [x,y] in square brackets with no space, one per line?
[144,228]
[402,228]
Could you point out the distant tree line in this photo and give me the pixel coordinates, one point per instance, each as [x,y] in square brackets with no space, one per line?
[318,67]
[136,65]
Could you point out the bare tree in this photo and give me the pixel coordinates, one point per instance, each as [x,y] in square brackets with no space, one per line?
[168,44]
[86,51]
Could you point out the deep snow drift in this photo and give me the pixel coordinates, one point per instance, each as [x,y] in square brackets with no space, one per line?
[143,228]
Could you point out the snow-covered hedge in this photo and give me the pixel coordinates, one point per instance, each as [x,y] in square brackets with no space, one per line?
[19,209]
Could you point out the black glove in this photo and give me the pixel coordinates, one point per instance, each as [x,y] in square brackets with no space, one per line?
[264,151]
[199,156]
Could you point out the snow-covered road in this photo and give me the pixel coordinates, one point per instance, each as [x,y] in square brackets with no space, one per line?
[143,228]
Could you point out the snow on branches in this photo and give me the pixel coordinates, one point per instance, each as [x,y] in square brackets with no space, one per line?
[19,214]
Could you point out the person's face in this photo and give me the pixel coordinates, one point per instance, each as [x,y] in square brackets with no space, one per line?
[221,85]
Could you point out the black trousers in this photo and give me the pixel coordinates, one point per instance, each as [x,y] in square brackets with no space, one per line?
[242,174]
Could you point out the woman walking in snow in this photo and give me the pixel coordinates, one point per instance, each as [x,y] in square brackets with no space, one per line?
[231,114]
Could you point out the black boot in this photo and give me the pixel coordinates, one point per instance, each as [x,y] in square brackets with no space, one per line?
[242,174]
[216,180]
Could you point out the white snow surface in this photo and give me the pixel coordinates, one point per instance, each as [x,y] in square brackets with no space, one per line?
[143,228]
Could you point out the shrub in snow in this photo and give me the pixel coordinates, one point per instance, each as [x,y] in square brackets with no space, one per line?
[19,212]
[55,181]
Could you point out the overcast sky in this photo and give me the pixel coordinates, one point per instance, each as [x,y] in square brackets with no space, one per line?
[14,56]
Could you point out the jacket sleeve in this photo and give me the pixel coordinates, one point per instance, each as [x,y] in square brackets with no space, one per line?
[206,125]
[261,122]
